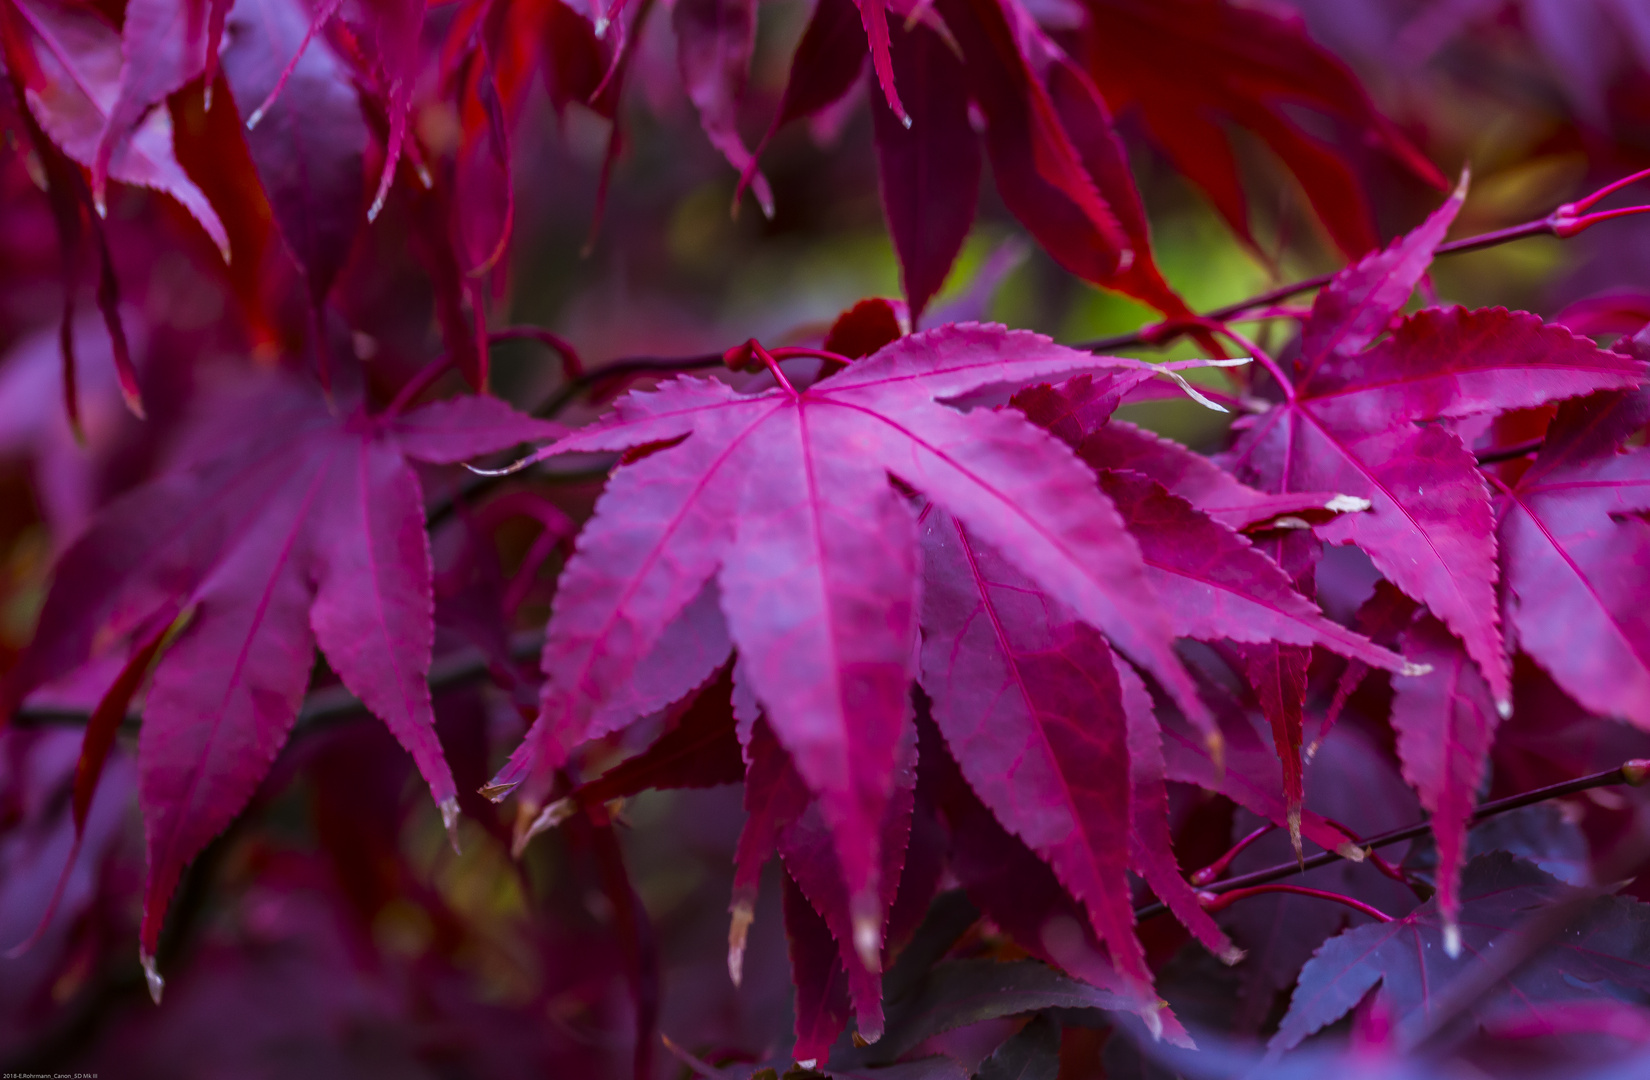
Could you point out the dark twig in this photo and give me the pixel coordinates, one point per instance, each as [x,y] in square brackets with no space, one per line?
[1632,772]
[1510,453]
[329,704]
[1562,222]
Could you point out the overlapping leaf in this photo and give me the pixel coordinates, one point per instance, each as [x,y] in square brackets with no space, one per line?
[784,497]
[311,534]
[1188,67]
[1598,950]
[70,62]
[1362,423]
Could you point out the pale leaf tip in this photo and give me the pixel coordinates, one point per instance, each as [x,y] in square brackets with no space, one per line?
[739,926]
[1503,709]
[1347,504]
[1294,819]
[551,816]
[868,942]
[1414,669]
[207,99]
[1352,852]
[101,204]
[1153,1019]
[256,118]
[1452,939]
[157,985]
[377,205]
[807,1063]
[508,470]
[905,118]
[1192,391]
[424,176]
[1288,522]
[449,820]
[1232,956]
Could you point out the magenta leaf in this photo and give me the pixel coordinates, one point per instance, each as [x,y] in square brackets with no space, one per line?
[164,45]
[1445,722]
[784,495]
[822,1007]
[929,169]
[714,41]
[1015,681]
[79,58]
[1356,307]
[1191,69]
[313,534]
[1575,555]
[309,145]
[807,850]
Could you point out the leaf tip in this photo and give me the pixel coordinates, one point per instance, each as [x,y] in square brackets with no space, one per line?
[157,985]
[1294,818]
[1503,708]
[1452,939]
[1347,504]
[527,828]
[868,939]
[1153,1019]
[1352,852]
[256,118]
[1414,669]
[1232,956]
[739,925]
[449,820]
[513,467]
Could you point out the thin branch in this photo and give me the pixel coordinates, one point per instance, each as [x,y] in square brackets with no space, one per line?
[1560,223]
[1633,772]
[329,704]
[1226,899]
[1512,452]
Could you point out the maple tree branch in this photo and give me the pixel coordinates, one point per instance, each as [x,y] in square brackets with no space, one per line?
[327,705]
[618,369]
[1510,453]
[1632,773]
[1562,222]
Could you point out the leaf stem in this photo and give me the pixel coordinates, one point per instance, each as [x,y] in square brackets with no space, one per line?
[1226,899]
[1217,869]
[772,364]
[1633,772]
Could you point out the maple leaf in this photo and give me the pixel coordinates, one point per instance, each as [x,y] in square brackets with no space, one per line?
[1184,66]
[1574,549]
[784,497]
[1597,950]
[164,44]
[1357,423]
[714,41]
[1058,164]
[1445,722]
[71,75]
[311,534]
[310,143]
